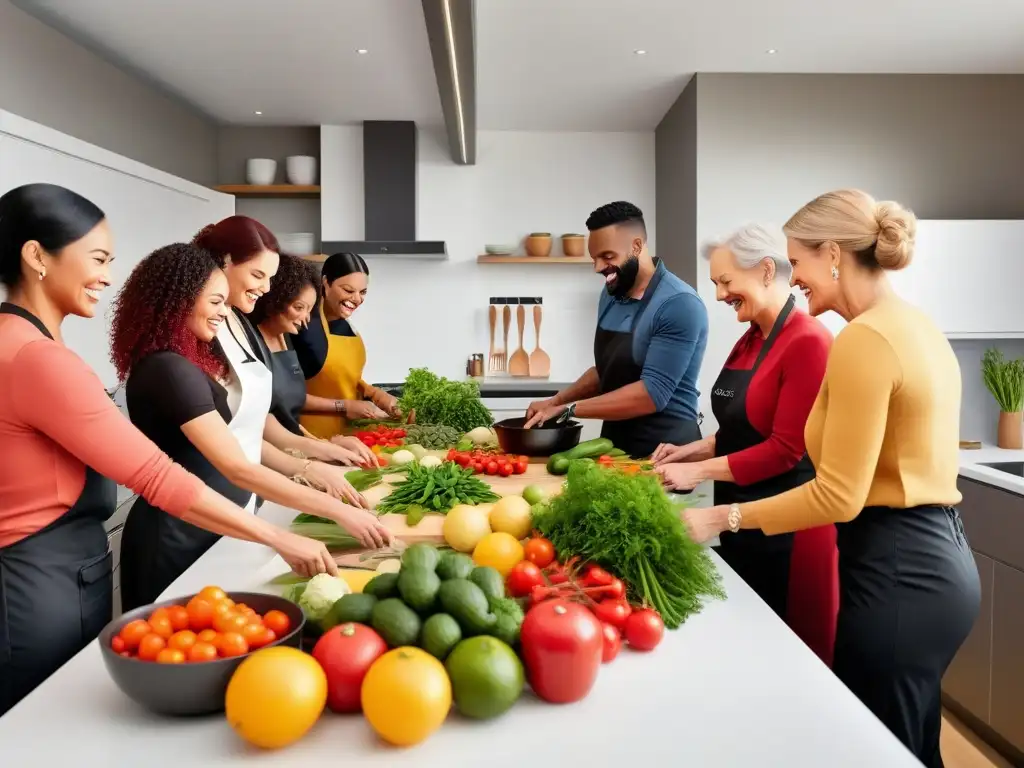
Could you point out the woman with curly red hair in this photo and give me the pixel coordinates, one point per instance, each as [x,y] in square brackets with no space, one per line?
[188,391]
[66,446]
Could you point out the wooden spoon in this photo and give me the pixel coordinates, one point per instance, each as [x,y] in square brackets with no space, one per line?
[519,363]
[540,361]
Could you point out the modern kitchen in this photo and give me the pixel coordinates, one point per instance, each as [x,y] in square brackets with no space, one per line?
[459,147]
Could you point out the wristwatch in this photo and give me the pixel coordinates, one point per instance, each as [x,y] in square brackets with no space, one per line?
[735,517]
[570,411]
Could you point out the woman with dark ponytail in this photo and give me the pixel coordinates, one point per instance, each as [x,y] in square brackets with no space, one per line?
[66,446]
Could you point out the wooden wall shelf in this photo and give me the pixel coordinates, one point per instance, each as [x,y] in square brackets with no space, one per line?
[270,190]
[488,259]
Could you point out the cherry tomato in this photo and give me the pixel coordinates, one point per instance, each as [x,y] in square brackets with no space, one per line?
[117,644]
[265,637]
[523,577]
[252,631]
[233,644]
[452,453]
[200,614]
[612,643]
[557,574]
[520,467]
[614,612]
[368,440]
[644,629]
[229,622]
[491,468]
[151,647]
[159,614]
[478,467]
[179,617]
[614,591]
[540,552]
[182,640]
[161,625]
[213,594]
[401,433]
[462,460]
[133,632]
[170,656]
[208,636]
[505,469]
[277,621]
[595,576]
[202,652]
[126,654]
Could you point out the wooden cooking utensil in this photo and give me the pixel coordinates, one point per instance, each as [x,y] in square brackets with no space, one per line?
[519,363]
[540,361]
[496,357]
[506,322]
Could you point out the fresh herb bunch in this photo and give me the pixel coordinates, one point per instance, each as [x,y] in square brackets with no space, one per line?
[437,489]
[365,479]
[436,400]
[628,525]
[1004,379]
[433,437]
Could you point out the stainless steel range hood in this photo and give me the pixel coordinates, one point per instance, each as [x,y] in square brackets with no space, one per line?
[389,196]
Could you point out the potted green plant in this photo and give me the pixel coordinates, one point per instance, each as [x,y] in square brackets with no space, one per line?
[1005,380]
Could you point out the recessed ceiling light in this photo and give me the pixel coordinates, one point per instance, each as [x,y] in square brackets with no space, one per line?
[361,51]
[771,51]
[258,112]
[640,52]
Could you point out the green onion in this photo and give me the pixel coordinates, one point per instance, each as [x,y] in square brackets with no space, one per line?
[330,534]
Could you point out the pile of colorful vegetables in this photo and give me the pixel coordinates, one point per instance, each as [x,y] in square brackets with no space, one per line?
[628,525]
[437,400]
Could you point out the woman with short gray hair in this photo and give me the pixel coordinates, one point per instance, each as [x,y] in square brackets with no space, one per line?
[761,400]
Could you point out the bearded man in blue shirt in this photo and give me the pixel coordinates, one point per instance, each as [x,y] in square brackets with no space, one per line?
[652,330]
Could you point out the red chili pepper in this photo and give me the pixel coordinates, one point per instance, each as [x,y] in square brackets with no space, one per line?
[595,576]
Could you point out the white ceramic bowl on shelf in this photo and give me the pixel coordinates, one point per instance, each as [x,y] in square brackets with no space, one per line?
[301,170]
[260,170]
[297,243]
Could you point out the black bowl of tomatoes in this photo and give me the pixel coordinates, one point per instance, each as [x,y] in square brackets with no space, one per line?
[177,656]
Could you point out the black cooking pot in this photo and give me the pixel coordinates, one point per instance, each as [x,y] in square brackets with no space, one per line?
[541,440]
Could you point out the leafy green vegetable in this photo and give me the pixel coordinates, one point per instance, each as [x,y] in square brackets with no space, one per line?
[327,532]
[434,437]
[437,489]
[628,525]
[437,400]
[1004,379]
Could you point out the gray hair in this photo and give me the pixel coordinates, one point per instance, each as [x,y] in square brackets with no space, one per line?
[752,244]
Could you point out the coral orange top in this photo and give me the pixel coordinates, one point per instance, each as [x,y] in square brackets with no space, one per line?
[56,419]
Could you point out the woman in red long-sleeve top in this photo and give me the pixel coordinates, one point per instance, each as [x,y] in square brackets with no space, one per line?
[761,401]
[66,446]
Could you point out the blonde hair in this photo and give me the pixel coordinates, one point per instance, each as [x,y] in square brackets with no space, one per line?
[879,233]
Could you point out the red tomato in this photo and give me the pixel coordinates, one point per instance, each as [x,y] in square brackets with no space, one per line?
[462,460]
[233,644]
[277,621]
[368,440]
[346,653]
[557,574]
[182,640]
[644,629]
[202,652]
[523,577]
[520,467]
[151,647]
[540,552]
[452,455]
[265,637]
[170,656]
[596,576]
[161,625]
[491,468]
[400,433]
[562,646]
[612,643]
[614,612]
[117,644]
[478,467]
[505,469]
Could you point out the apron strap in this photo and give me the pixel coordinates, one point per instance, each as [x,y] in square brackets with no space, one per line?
[6,308]
[776,330]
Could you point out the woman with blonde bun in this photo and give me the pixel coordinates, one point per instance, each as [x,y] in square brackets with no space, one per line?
[883,437]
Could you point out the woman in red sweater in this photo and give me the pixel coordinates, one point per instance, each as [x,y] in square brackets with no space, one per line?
[761,400]
[66,447]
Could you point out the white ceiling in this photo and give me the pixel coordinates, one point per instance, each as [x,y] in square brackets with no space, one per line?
[541,64]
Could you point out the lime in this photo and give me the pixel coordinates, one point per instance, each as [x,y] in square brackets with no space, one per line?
[487,677]
[534,494]
[440,634]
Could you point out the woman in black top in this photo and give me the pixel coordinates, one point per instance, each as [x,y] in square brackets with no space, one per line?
[279,314]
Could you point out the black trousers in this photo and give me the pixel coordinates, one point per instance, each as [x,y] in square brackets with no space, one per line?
[909,595]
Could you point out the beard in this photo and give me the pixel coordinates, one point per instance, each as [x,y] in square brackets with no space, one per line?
[625,277]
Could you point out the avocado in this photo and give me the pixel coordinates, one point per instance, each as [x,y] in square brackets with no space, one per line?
[418,587]
[455,565]
[396,622]
[355,607]
[489,580]
[382,586]
[467,604]
[421,554]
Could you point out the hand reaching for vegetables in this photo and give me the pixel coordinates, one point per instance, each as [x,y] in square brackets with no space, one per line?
[364,526]
[305,556]
[354,451]
[387,403]
[332,480]
[364,410]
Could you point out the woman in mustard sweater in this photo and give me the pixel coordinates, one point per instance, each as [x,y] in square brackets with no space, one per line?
[883,435]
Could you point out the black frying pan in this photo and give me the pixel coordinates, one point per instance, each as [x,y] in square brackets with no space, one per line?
[542,440]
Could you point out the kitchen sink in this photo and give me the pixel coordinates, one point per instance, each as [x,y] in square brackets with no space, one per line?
[1009,467]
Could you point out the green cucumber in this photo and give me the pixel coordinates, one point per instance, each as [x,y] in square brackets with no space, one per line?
[615,452]
[590,449]
[558,464]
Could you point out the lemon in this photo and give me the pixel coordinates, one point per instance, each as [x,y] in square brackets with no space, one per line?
[512,515]
[356,578]
[464,527]
[501,551]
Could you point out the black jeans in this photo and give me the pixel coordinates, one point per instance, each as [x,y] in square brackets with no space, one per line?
[909,595]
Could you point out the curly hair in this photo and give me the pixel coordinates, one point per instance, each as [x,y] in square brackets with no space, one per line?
[239,237]
[151,311]
[292,276]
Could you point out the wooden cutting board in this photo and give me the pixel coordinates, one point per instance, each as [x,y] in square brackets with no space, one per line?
[429,528]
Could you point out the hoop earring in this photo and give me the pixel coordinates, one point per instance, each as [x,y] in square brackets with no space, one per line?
[835,273]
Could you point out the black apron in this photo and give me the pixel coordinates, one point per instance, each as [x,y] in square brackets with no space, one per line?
[616,368]
[761,561]
[56,586]
[289,388]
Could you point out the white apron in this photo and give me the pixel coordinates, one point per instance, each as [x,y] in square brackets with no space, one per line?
[250,404]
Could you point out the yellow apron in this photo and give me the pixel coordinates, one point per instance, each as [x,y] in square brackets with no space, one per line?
[339,379]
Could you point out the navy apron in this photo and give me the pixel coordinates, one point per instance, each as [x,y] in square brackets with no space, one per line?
[56,585]
[289,388]
[762,561]
[616,368]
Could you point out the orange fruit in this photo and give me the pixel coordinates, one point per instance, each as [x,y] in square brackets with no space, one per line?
[406,696]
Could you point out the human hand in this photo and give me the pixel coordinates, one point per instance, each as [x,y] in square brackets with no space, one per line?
[364,526]
[538,405]
[666,453]
[351,450]
[387,403]
[332,480]
[364,409]
[680,476]
[543,415]
[705,523]
[305,556]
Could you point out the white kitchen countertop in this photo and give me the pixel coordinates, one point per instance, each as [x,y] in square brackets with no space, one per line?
[732,687]
[971,466]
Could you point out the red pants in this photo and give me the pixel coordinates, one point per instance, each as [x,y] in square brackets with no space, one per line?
[814,589]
